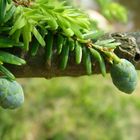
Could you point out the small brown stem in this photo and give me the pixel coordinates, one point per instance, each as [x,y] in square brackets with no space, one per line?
[22,3]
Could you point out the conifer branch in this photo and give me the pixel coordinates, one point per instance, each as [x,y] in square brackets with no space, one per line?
[36,67]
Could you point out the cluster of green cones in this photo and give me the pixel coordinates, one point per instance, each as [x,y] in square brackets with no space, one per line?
[124,76]
[11,94]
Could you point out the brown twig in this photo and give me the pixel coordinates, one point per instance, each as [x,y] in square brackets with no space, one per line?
[35,66]
[23,3]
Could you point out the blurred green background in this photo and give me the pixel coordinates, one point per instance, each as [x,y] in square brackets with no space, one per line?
[85,108]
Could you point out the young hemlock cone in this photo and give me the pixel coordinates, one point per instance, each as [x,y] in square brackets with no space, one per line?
[11,94]
[124,76]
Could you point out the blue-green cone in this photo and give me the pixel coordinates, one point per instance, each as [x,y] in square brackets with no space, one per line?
[11,94]
[124,76]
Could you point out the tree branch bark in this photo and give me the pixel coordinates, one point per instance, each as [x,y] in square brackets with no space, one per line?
[35,67]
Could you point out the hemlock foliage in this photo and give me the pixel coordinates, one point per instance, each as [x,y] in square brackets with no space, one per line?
[28,25]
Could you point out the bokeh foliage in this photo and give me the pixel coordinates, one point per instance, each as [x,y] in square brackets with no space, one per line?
[72,109]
